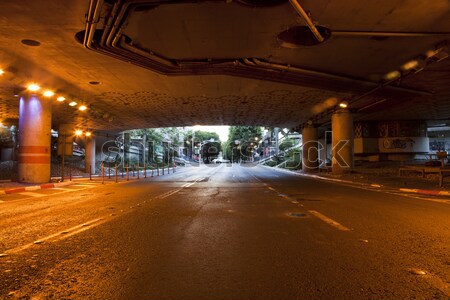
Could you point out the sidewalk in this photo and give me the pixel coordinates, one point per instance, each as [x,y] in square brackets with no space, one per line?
[385,178]
[11,187]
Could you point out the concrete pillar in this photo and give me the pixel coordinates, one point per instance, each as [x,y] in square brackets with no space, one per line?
[342,141]
[310,149]
[35,117]
[89,154]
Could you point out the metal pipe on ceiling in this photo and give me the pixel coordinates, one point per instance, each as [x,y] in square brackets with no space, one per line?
[337,77]
[307,19]
[388,34]
[92,20]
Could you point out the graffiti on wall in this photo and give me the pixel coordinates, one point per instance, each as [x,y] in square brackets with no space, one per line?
[399,143]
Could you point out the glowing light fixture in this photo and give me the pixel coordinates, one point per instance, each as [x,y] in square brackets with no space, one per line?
[343,104]
[392,75]
[60,99]
[78,132]
[82,108]
[410,65]
[49,94]
[73,103]
[88,133]
[2,72]
[33,87]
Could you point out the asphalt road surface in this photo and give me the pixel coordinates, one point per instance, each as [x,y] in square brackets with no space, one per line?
[223,232]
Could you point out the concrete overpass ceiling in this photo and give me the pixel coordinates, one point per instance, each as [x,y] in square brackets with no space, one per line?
[217,56]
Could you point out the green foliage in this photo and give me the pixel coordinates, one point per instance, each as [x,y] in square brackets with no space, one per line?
[201,136]
[242,141]
[286,144]
[7,136]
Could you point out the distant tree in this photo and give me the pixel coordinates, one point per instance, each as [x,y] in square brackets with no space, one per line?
[210,150]
[286,144]
[242,142]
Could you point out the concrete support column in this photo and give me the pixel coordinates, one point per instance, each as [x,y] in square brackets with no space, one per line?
[90,154]
[310,149]
[35,117]
[342,141]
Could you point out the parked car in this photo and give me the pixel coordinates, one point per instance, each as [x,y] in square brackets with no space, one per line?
[220,161]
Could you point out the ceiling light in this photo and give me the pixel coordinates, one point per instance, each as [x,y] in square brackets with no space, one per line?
[49,94]
[410,65]
[78,132]
[343,104]
[73,103]
[438,54]
[415,65]
[33,87]
[392,75]
[60,99]
[88,133]
[82,107]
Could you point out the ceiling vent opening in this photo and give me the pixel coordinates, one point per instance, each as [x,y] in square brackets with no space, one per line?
[300,36]
[261,3]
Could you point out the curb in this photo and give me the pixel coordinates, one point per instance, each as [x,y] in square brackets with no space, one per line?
[52,185]
[426,192]
[35,187]
[416,191]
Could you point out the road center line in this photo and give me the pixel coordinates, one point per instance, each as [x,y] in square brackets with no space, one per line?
[328,220]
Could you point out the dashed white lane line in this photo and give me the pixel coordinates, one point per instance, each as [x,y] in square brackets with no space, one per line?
[432,279]
[62,189]
[31,194]
[328,220]
[316,214]
[81,227]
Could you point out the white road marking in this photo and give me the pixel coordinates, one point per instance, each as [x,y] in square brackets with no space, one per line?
[433,280]
[63,189]
[328,220]
[84,226]
[31,194]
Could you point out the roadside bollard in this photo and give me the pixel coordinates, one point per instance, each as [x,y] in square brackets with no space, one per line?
[103,173]
[168,168]
[163,169]
[70,172]
[109,173]
[122,172]
[132,170]
[137,171]
[90,172]
[152,170]
[173,168]
[157,169]
[128,174]
[116,172]
[145,171]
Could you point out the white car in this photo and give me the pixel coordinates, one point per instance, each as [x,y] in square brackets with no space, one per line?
[220,161]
